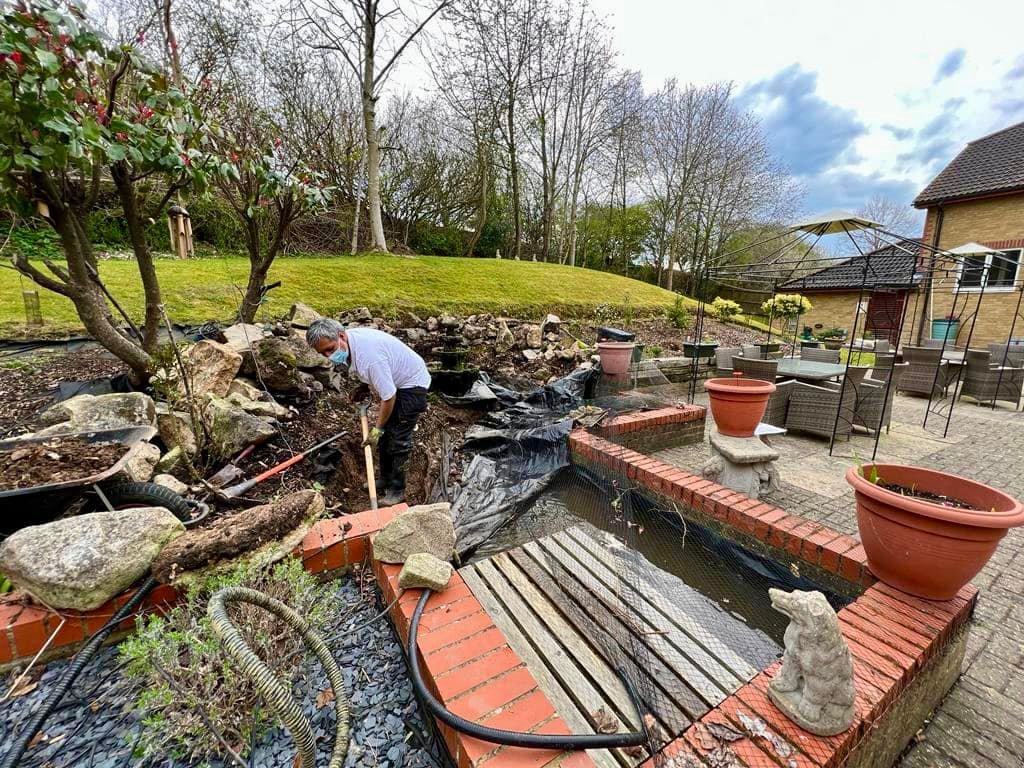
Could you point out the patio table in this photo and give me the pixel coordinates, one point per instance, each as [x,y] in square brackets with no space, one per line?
[809,370]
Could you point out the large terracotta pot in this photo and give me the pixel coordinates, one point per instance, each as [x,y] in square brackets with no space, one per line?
[923,548]
[615,356]
[737,404]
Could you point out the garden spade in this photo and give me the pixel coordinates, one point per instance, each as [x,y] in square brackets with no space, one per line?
[371,481]
[237,490]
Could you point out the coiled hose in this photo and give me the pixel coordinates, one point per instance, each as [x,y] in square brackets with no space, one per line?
[514,738]
[276,694]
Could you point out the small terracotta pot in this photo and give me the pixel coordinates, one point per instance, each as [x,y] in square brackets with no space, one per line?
[927,549]
[615,356]
[737,404]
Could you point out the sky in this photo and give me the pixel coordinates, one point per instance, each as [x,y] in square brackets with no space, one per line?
[857,99]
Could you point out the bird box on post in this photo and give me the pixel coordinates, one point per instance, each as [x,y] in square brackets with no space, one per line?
[180,226]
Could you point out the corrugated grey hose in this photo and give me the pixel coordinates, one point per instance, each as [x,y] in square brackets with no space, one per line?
[277,695]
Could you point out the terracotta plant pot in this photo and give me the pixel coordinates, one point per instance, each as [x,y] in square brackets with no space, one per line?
[737,404]
[924,548]
[615,356]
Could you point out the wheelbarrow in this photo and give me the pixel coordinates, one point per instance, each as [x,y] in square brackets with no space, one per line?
[106,489]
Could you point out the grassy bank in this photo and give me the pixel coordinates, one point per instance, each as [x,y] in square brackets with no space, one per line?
[210,289]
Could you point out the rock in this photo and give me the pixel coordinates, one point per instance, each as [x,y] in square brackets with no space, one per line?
[551,324]
[261,535]
[360,315]
[549,354]
[269,409]
[246,389]
[433,324]
[279,363]
[472,332]
[175,428]
[533,336]
[139,468]
[169,462]
[241,336]
[170,481]
[449,321]
[85,413]
[505,339]
[82,562]
[419,529]
[302,315]
[212,367]
[551,338]
[531,354]
[415,335]
[566,354]
[424,571]
[232,429]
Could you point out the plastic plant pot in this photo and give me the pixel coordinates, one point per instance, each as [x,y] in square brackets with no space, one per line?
[945,329]
[925,548]
[738,404]
[615,356]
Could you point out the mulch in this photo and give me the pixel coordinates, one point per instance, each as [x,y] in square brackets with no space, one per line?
[56,461]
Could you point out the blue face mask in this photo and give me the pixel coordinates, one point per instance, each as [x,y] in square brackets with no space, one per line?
[339,356]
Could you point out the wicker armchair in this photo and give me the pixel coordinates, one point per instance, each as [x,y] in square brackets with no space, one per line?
[933,344]
[814,408]
[987,383]
[883,364]
[752,351]
[883,347]
[874,404]
[723,358]
[1012,355]
[765,370]
[820,355]
[778,403]
[855,374]
[926,371]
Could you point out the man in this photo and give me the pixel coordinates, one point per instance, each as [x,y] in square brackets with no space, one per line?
[396,375]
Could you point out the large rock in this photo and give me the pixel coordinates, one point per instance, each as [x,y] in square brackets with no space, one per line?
[82,562]
[424,571]
[170,481]
[302,315]
[241,336]
[282,364]
[533,337]
[269,409]
[505,339]
[246,389]
[421,529]
[232,429]
[211,366]
[96,412]
[175,428]
[259,536]
[142,462]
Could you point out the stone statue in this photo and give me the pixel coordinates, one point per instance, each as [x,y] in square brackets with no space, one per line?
[814,687]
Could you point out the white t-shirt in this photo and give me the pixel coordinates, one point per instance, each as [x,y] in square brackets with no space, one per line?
[384,363]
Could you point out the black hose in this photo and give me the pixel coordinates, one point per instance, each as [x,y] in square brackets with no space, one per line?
[71,674]
[499,735]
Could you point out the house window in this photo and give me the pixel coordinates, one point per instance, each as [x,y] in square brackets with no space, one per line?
[990,270]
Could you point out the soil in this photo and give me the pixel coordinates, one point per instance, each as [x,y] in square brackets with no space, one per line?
[934,498]
[56,461]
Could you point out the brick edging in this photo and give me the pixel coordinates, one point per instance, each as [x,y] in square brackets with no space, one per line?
[330,545]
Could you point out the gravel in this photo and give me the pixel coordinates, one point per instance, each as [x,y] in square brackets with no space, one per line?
[93,729]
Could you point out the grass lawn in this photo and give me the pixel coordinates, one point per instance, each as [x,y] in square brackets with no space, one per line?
[203,289]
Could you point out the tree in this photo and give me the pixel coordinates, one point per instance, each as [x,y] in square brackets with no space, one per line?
[73,112]
[370,39]
[894,217]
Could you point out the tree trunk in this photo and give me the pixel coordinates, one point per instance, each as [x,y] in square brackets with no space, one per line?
[513,163]
[378,242]
[254,290]
[147,269]
[481,210]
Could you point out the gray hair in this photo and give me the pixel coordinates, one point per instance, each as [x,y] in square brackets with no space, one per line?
[324,328]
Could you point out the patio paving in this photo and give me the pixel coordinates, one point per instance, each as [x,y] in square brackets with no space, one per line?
[981,721]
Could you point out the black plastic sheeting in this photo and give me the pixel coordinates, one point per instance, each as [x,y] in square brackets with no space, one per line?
[517,450]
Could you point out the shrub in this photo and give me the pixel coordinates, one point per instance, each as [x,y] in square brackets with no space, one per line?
[831,333]
[787,305]
[679,314]
[654,351]
[183,672]
[725,309]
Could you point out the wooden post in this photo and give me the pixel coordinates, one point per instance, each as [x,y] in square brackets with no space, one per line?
[179,225]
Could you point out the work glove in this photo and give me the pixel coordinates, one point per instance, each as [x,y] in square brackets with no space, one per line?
[374,437]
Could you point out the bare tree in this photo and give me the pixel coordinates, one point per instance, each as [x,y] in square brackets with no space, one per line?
[370,37]
[895,217]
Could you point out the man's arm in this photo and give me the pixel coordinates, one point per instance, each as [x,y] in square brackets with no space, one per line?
[384,412]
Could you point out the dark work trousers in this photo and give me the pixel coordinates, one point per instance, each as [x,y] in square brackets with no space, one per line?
[396,442]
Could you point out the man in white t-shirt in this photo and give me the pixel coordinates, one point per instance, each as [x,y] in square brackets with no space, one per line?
[396,375]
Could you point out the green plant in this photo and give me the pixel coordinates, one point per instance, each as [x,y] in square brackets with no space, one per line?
[628,313]
[5,585]
[653,351]
[679,313]
[787,305]
[185,680]
[725,309]
[831,333]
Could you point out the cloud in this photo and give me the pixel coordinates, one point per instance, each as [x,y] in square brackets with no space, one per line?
[901,134]
[950,64]
[1016,72]
[806,132]
[850,190]
[933,145]
[1009,109]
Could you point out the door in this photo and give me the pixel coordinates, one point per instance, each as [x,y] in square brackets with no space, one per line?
[884,312]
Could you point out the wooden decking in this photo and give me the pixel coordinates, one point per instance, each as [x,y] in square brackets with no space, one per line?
[577,604]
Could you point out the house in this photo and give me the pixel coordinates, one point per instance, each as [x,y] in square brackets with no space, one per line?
[977,198]
[883,281]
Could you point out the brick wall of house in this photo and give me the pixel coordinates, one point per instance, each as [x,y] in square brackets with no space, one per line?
[832,309]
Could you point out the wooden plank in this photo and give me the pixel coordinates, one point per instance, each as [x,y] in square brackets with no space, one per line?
[605,679]
[737,670]
[568,689]
[690,679]
[673,715]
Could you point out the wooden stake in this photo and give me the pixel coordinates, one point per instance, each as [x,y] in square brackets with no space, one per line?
[371,481]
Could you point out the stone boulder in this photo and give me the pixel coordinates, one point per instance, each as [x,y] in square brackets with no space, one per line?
[268,409]
[81,562]
[426,528]
[532,336]
[170,481]
[433,324]
[415,335]
[424,571]
[505,340]
[241,336]
[85,413]
[175,428]
[232,429]
[282,364]
[247,389]
[139,468]
[302,315]
[211,366]
[259,536]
